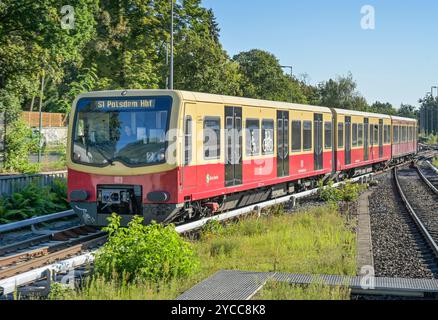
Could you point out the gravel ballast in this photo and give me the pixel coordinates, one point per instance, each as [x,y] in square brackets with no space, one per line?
[397,247]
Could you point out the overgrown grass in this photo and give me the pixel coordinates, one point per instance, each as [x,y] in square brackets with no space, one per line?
[316,291]
[317,241]
[435,162]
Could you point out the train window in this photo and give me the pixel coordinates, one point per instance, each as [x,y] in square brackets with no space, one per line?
[252,137]
[212,138]
[410,134]
[340,135]
[188,140]
[360,134]
[376,134]
[395,134]
[371,134]
[267,136]
[307,135]
[354,134]
[385,134]
[296,136]
[403,133]
[328,134]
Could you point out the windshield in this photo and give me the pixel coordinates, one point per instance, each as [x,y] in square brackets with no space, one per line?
[128,130]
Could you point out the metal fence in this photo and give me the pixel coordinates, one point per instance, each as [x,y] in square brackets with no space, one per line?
[15,183]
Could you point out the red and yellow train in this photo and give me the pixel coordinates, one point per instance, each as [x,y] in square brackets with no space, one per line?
[172,156]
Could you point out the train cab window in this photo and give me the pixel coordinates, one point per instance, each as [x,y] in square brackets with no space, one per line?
[296,136]
[267,137]
[188,140]
[360,134]
[354,134]
[212,138]
[252,132]
[328,134]
[340,135]
[307,135]
[376,134]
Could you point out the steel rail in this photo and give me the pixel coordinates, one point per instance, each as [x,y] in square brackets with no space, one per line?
[35,220]
[52,257]
[415,217]
[426,181]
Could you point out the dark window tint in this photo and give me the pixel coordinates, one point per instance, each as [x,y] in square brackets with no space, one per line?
[188,140]
[267,136]
[360,134]
[307,135]
[328,134]
[252,137]
[296,136]
[212,138]
[340,135]
[354,134]
[376,134]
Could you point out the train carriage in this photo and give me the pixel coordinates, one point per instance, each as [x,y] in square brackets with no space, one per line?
[404,138]
[362,140]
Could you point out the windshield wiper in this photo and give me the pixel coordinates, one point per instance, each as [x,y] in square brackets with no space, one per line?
[110,161]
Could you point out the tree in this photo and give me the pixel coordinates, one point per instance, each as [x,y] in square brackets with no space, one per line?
[408,111]
[341,93]
[383,108]
[263,78]
[202,65]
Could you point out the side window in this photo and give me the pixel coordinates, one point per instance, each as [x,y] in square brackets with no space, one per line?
[188,140]
[354,134]
[376,134]
[267,137]
[328,134]
[252,137]
[371,134]
[396,134]
[340,135]
[360,134]
[307,135]
[212,138]
[296,136]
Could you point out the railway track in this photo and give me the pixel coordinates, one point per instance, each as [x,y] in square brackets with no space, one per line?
[32,254]
[420,201]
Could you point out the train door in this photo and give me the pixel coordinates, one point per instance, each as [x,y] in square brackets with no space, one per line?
[188,153]
[317,139]
[366,144]
[347,140]
[233,146]
[282,143]
[381,138]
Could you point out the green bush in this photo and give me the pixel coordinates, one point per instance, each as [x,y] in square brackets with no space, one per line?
[34,200]
[348,192]
[154,252]
[20,141]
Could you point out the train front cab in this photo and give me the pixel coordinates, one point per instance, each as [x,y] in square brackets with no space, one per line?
[362,140]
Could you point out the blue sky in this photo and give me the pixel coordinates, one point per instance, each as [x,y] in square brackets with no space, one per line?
[397,62]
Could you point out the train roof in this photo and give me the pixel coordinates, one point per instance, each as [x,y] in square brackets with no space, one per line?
[403,119]
[360,113]
[207,97]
